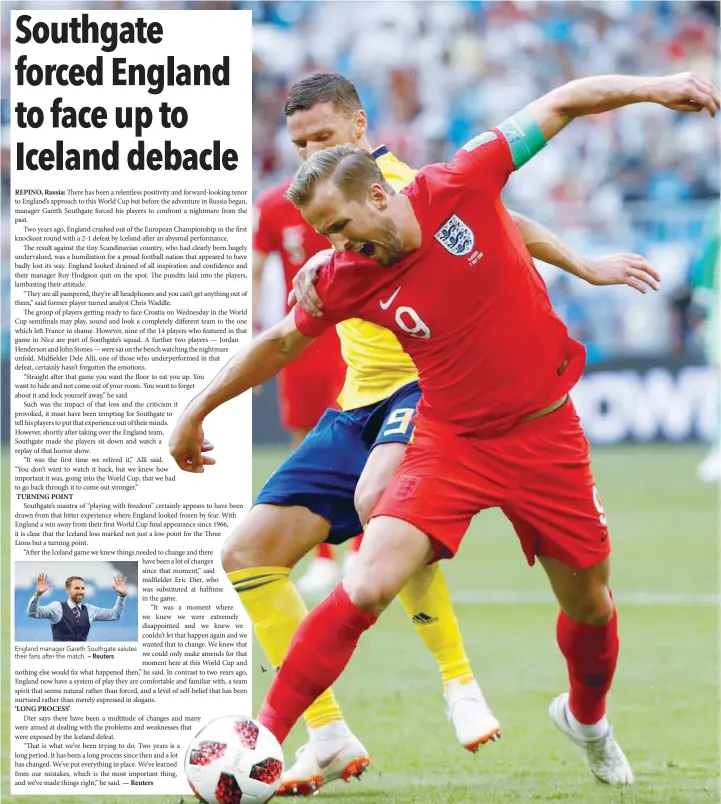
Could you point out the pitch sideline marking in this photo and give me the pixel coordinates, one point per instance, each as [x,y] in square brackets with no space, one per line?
[522,597]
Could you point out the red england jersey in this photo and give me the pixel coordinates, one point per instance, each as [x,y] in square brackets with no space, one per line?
[468,306]
[280,228]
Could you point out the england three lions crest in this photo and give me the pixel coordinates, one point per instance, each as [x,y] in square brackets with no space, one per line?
[455,236]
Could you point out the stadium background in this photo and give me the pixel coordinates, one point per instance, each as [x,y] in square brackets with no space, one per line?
[431,75]
[643,179]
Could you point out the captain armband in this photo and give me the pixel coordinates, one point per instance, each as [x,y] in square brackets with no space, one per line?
[524,137]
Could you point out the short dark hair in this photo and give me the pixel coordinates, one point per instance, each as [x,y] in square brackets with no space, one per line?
[72,578]
[322,88]
[351,169]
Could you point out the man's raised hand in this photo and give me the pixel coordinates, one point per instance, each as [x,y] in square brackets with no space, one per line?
[43,584]
[623,269]
[685,92]
[119,585]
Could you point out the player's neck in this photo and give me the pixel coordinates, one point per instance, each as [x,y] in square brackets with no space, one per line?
[408,227]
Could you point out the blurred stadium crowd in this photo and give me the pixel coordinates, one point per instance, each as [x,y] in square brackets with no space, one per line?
[433,74]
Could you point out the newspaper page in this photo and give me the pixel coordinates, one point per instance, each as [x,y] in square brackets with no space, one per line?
[145,139]
[130,238]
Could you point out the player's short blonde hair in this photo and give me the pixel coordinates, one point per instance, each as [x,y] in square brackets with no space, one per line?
[72,578]
[351,169]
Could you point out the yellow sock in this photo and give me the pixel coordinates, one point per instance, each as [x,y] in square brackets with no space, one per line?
[427,602]
[276,609]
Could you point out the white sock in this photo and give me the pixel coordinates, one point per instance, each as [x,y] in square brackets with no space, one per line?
[330,733]
[588,732]
[465,689]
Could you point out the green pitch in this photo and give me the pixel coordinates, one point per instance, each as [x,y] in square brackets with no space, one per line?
[665,701]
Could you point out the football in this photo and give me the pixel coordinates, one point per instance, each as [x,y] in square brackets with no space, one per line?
[234,760]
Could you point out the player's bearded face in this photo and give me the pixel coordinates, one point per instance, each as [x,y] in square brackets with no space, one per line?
[379,241]
[355,225]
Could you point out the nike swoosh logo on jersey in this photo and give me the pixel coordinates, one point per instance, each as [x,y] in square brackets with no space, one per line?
[386,305]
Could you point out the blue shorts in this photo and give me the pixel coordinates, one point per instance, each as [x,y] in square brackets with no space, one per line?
[322,473]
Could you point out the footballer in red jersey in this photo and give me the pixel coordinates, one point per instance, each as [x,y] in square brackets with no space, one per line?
[310,385]
[440,265]
[472,311]
[327,484]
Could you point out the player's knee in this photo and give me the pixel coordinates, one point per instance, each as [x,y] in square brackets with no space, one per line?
[366,498]
[368,592]
[371,597]
[273,536]
[595,608]
[234,554]
[249,547]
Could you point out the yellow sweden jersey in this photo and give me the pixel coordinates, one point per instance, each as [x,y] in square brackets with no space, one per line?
[377,365]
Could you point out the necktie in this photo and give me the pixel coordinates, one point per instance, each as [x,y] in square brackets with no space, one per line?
[76,614]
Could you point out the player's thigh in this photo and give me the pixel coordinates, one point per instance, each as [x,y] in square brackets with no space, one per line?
[273,536]
[380,467]
[584,595]
[322,474]
[437,490]
[555,508]
[392,551]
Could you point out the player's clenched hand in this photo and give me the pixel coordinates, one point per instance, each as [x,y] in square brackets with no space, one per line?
[43,585]
[623,269]
[685,92]
[188,446]
[304,292]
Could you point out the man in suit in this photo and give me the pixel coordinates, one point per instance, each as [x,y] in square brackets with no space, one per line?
[70,620]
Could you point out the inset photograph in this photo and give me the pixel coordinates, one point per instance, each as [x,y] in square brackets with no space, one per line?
[76,601]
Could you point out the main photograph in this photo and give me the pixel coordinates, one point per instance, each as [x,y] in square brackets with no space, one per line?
[486,234]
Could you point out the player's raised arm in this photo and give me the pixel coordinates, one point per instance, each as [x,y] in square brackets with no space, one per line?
[487,160]
[260,360]
[683,92]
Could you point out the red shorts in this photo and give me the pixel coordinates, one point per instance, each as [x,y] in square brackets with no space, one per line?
[310,385]
[539,474]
